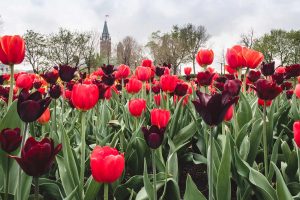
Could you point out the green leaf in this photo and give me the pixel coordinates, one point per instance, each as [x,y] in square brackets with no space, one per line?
[147,184]
[92,190]
[223,177]
[281,188]
[191,190]
[264,187]
[185,134]
[255,139]
[244,113]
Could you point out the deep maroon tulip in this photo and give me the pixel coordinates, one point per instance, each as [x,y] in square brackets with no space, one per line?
[229,76]
[159,71]
[55,91]
[289,94]
[108,69]
[31,106]
[66,72]
[278,78]
[253,75]
[213,108]
[181,89]
[37,157]
[108,80]
[220,82]
[286,85]
[156,89]
[154,136]
[266,90]
[233,87]
[205,78]
[37,84]
[292,71]
[3,77]
[51,76]
[268,69]
[10,139]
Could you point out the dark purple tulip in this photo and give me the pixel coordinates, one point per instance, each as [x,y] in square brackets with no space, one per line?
[159,71]
[108,69]
[266,90]
[268,69]
[213,108]
[229,76]
[50,76]
[10,139]
[289,94]
[219,85]
[253,75]
[55,91]
[156,89]
[154,136]
[233,87]
[119,86]
[108,80]
[181,89]
[205,78]
[37,157]
[286,85]
[37,84]
[31,106]
[292,71]
[66,72]
[70,85]
[168,65]
[278,78]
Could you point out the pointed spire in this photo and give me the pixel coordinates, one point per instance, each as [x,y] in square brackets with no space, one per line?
[105,33]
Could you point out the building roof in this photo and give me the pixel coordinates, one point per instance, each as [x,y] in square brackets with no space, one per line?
[105,33]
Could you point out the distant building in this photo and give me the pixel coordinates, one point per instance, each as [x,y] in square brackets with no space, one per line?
[105,43]
[4,69]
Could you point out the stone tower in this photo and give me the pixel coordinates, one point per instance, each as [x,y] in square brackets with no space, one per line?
[105,43]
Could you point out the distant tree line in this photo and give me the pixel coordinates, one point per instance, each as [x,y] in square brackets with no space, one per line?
[278,44]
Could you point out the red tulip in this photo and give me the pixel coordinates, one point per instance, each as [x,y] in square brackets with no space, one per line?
[234,57]
[205,57]
[25,81]
[12,49]
[157,99]
[143,73]
[168,83]
[123,72]
[107,164]
[37,157]
[187,71]
[160,117]
[280,70]
[252,58]
[84,96]
[134,86]
[229,114]
[230,70]
[261,102]
[147,63]
[296,130]
[136,107]
[51,76]
[45,117]
[297,90]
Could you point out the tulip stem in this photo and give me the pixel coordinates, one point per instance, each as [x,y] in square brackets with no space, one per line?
[7,179]
[210,170]
[36,187]
[19,171]
[265,139]
[154,174]
[105,197]
[54,119]
[82,161]
[11,87]
[245,82]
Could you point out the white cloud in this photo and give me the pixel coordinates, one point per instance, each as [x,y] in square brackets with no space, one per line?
[224,20]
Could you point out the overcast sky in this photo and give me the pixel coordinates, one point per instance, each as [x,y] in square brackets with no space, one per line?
[225,20]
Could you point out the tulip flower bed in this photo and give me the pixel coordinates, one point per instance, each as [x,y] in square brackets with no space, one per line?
[143,133]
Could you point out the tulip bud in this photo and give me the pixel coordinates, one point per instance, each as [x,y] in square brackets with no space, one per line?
[107,164]
[261,102]
[296,130]
[205,57]
[146,63]
[136,107]
[12,49]
[297,91]
[154,136]
[229,114]
[55,91]
[187,71]
[10,139]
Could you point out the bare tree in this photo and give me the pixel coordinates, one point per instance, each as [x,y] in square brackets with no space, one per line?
[36,50]
[247,39]
[129,51]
